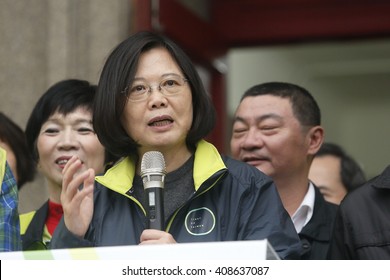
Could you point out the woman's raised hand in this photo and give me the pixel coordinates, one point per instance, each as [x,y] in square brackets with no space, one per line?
[77,196]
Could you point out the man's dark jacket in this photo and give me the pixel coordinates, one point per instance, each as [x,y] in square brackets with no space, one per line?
[362,228]
[316,234]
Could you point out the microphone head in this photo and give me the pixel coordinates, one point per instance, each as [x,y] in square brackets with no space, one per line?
[153,163]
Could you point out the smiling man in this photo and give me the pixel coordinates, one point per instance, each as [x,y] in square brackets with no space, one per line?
[277,129]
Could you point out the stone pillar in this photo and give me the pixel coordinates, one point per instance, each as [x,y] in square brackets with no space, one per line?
[45,41]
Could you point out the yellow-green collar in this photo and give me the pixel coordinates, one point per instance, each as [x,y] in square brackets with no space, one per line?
[208,161]
[3,159]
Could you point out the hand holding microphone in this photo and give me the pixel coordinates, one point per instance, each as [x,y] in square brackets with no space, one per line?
[153,175]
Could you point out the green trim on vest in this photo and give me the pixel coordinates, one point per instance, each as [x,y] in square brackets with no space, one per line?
[25,220]
[3,159]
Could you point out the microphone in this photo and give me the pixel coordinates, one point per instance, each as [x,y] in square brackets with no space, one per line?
[153,174]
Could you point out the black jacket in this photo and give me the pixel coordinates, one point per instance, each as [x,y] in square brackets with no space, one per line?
[316,234]
[231,201]
[362,228]
[34,223]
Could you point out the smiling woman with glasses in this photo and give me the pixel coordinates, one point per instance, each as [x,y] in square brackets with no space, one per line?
[151,98]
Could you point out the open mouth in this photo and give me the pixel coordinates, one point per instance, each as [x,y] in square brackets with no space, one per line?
[62,161]
[160,123]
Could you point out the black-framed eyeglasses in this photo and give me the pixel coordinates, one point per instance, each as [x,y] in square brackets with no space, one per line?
[139,90]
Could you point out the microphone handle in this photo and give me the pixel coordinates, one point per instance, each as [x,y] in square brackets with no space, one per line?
[155,208]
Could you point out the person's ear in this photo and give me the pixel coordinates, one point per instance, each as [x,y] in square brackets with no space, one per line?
[315,138]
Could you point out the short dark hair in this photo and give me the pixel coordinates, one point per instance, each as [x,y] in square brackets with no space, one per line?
[304,106]
[13,136]
[119,71]
[352,175]
[63,97]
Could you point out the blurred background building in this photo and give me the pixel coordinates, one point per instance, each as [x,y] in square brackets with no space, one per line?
[337,49]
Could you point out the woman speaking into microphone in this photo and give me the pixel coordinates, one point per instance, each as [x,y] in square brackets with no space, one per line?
[151,98]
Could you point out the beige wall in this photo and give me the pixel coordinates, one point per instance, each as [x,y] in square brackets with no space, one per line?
[44,41]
